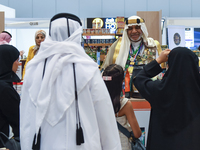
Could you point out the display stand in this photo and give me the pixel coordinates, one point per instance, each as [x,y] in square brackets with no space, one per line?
[2,21]
[142,110]
[153,23]
[98,40]
[140,104]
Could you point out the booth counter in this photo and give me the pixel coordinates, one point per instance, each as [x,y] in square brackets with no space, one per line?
[140,104]
[142,112]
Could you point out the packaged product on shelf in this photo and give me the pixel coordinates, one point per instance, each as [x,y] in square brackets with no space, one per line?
[98,56]
[107,41]
[96,31]
[94,41]
[84,31]
[100,31]
[112,40]
[92,31]
[88,31]
[120,22]
[120,19]
[107,31]
[99,25]
[104,31]
[120,31]
[94,24]
[91,41]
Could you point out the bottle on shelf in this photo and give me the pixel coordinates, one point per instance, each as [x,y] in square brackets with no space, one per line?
[98,55]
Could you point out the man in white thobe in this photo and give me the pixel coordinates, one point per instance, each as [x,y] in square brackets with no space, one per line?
[48,95]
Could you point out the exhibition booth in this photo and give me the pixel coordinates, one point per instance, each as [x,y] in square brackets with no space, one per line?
[100,33]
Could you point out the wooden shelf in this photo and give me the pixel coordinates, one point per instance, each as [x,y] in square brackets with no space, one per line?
[99,44]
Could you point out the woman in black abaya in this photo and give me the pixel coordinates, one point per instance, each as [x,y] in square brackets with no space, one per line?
[9,98]
[175,100]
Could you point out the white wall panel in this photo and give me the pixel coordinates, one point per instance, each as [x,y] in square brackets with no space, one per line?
[132,6]
[157,5]
[44,8]
[102,8]
[112,8]
[180,8]
[23,8]
[68,6]
[90,8]
[195,8]
[8,12]
[4,2]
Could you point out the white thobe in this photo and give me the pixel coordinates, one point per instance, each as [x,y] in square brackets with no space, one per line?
[97,120]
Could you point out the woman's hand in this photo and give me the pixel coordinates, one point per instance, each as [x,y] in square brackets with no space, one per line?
[21,53]
[163,57]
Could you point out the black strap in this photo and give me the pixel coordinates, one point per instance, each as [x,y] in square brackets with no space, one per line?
[76,96]
[45,61]
[36,146]
[79,131]
[67,16]
[123,130]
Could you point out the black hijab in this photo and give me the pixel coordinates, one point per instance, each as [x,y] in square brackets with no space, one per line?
[8,55]
[180,90]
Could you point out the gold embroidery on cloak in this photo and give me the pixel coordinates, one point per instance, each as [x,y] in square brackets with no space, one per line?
[159,49]
[117,48]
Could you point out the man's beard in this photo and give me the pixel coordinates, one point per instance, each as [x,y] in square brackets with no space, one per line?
[139,38]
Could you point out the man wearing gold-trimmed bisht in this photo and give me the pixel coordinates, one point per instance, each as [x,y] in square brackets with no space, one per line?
[134,49]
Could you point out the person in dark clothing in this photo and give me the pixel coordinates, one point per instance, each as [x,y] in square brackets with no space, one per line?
[175,100]
[9,98]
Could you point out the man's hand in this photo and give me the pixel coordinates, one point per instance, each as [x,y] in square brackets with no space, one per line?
[163,57]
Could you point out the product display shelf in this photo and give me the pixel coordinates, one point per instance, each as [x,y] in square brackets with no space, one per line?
[99,44]
[90,34]
[98,41]
[98,35]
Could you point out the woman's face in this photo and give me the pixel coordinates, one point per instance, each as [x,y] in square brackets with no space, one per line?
[39,38]
[15,65]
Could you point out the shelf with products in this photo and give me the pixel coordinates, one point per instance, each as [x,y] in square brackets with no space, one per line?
[96,41]
[119,31]
[97,53]
[98,44]
[99,34]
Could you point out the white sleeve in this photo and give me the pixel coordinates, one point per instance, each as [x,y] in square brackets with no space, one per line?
[157,54]
[109,133]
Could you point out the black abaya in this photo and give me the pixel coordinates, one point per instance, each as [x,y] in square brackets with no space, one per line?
[175,102]
[9,98]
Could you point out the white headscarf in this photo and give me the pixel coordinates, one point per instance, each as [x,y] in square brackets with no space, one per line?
[54,94]
[36,47]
